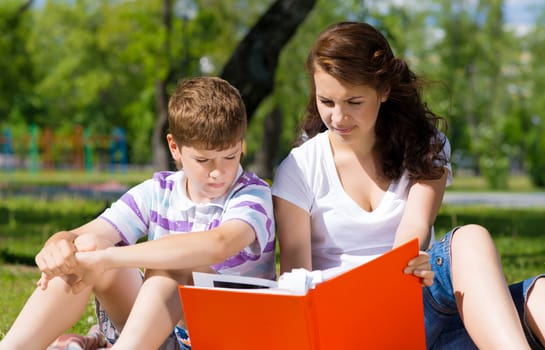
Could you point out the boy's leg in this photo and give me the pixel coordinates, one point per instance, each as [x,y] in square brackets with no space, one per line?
[157,307]
[483,299]
[117,292]
[45,315]
[49,313]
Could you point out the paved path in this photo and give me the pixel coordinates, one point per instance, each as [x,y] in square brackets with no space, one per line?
[499,199]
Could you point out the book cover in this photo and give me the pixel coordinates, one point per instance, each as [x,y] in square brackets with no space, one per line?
[372,306]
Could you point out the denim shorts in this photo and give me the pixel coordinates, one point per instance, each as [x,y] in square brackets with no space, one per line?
[444,327]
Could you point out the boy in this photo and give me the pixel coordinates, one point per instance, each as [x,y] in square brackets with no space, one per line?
[209,216]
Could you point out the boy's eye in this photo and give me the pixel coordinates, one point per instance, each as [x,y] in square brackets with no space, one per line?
[230,157]
[355,103]
[201,160]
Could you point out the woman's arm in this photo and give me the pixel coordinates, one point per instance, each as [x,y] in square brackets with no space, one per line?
[293,232]
[423,203]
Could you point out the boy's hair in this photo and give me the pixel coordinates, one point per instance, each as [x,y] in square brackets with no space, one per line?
[206,112]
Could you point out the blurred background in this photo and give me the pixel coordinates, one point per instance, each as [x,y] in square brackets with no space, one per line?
[84,83]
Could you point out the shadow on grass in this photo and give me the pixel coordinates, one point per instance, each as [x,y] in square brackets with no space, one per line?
[20,259]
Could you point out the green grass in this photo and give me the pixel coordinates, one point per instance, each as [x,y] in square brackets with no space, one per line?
[515,183]
[62,177]
[516,232]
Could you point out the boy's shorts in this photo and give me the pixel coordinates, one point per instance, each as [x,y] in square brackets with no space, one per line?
[177,340]
[444,327]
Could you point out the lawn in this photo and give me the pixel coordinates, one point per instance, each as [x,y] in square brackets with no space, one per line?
[26,222]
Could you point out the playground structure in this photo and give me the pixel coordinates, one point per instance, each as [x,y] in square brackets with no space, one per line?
[45,149]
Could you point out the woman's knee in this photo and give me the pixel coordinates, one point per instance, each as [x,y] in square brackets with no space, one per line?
[472,237]
[538,289]
[471,232]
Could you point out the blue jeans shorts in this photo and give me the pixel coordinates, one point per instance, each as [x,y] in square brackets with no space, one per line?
[444,327]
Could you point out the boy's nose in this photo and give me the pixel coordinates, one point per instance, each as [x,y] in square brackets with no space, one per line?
[214,173]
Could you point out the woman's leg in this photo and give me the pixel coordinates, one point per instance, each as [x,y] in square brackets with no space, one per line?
[535,310]
[481,292]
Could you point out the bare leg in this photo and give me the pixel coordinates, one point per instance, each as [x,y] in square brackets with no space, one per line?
[117,293]
[49,313]
[483,297]
[46,315]
[157,307]
[535,310]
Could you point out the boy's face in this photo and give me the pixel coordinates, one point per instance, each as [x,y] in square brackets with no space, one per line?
[209,173]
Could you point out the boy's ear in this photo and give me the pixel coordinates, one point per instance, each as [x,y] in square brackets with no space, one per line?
[173,147]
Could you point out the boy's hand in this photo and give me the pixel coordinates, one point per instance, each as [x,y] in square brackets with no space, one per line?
[421,268]
[56,259]
[91,266]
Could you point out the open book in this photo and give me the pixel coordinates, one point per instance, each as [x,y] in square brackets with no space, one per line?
[372,306]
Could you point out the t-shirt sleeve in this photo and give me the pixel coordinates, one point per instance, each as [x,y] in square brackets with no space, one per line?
[253,204]
[130,214]
[291,185]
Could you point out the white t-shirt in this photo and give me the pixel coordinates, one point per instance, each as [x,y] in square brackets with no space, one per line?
[343,234]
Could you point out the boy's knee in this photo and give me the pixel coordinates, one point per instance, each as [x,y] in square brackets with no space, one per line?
[184,277]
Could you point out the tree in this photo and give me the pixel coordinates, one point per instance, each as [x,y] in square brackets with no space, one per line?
[15,63]
[251,68]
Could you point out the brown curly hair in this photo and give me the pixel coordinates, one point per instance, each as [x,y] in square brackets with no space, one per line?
[407,130]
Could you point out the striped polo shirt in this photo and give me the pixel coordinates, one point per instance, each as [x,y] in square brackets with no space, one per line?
[159,206]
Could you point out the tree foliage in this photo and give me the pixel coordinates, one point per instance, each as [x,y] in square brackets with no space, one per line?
[108,63]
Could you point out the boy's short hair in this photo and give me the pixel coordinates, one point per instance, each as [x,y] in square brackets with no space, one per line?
[206,112]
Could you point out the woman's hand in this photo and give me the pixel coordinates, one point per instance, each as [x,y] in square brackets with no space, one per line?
[421,268]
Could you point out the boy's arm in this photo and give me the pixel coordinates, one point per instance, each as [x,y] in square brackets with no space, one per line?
[172,252]
[57,257]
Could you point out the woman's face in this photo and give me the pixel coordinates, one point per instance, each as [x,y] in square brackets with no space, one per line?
[349,111]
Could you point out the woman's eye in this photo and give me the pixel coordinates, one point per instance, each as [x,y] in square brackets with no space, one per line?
[327,103]
[354,103]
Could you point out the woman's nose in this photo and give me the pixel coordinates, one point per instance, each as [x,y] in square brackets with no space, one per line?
[337,114]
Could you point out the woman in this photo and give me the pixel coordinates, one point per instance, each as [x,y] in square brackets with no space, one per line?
[371,175]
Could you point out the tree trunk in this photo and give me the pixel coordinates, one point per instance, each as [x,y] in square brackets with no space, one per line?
[159,147]
[252,66]
[265,157]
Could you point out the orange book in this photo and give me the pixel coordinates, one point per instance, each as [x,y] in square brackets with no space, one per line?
[372,306]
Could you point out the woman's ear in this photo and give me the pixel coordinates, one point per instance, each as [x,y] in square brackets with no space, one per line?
[384,95]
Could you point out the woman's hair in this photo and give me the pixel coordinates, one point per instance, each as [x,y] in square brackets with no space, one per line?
[407,131]
[206,112]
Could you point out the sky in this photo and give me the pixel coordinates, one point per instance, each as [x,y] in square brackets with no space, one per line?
[521,14]
[522,11]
